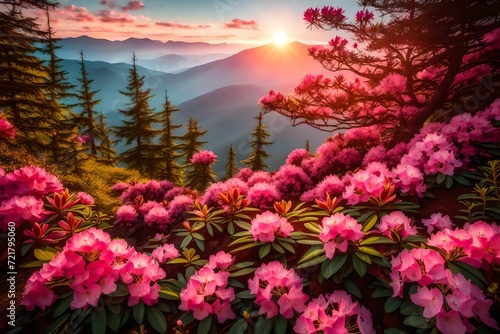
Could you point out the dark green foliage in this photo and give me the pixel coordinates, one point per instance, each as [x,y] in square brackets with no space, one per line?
[191,140]
[256,158]
[231,165]
[169,167]
[137,130]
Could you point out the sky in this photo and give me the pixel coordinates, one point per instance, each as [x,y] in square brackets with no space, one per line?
[212,21]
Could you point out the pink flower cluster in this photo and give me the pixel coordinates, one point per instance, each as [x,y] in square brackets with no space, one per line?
[207,292]
[91,264]
[267,226]
[366,183]
[336,231]
[364,16]
[397,223]
[438,222]
[334,313]
[263,195]
[450,298]
[277,290]
[29,180]
[331,185]
[21,194]
[291,181]
[475,244]
[203,157]
[7,131]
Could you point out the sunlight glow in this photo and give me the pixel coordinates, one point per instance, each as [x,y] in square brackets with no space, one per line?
[280,38]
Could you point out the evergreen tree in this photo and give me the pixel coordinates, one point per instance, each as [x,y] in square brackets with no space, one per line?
[308,146]
[169,167]
[231,165]
[105,148]
[64,131]
[137,125]
[200,174]
[256,158]
[191,141]
[87,102]
[23,82]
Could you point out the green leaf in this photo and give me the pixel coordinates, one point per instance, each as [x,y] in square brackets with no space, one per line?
[392,304]
[113,321]
[98,324]
[242,272]
[311,253]
[115,308]
[264,250]
[352,288]
[204,326]
[393,330]
[408,308]
[359,265]
[167,293]
[200,244]
[263,325]
[250,245]
[376,240]
[440,178]
[462,180]
[310,242]
[419,321]
[330,267]
[57,323]
[278,248]
[230,228]
[362,256]
[381,292]
[313,227]
[198,236]
[369,223]
[62,306]
[45,254]
[185,242]
[243,225]
[370,251]
[26,248]
[138,313]
[121,291]
[239,327]
[157,319]
[448,182]
[32,264]
[280,325]
[245,295]
[287,246]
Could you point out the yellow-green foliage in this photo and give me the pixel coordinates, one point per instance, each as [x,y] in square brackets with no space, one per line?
[14,157]
[96,179]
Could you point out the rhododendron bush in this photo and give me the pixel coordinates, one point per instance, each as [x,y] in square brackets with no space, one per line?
[363,235]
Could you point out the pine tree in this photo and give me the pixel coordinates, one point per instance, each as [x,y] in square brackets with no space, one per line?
[169,167]
[191,141]
[200,174]
[87,102]
[105,147]
[308,146]
[256,158]
[23,82]
[64,131]
[137,126]
[231,165]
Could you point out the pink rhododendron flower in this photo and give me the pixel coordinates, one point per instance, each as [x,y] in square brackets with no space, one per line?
[85,198]
[331,185]
[364,15]
[164,253]
[362,185]
[7,130]
[20,209]
[157,216]
[277,290]
[203,157]
[29,180]
[396,222]
[437,221]
[258,177]
[220,261]
[336,231]
[430,299]
[263,195]
[291,181]
[37,294]
[333,314]
[409,179]
[207,292]
[267,226]
[126,215]
[450,322]
[296,156]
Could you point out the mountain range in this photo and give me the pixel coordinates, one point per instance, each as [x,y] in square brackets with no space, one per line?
[222,94]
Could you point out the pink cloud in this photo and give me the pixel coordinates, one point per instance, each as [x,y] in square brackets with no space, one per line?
[142,25]
[131,5]
[73,13]
[176,25]
[242,24]
[110,16]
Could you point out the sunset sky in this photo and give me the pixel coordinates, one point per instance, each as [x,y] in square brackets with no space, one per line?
[213,21]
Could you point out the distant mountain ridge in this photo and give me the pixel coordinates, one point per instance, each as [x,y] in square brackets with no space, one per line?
[119,51]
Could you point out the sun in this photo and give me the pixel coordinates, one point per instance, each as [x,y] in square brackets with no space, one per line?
[280,38]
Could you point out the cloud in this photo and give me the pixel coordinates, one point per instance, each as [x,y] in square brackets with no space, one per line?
[131,5]
[142,25]
[110,16]
[176,25]
[241,24]
[74,13]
